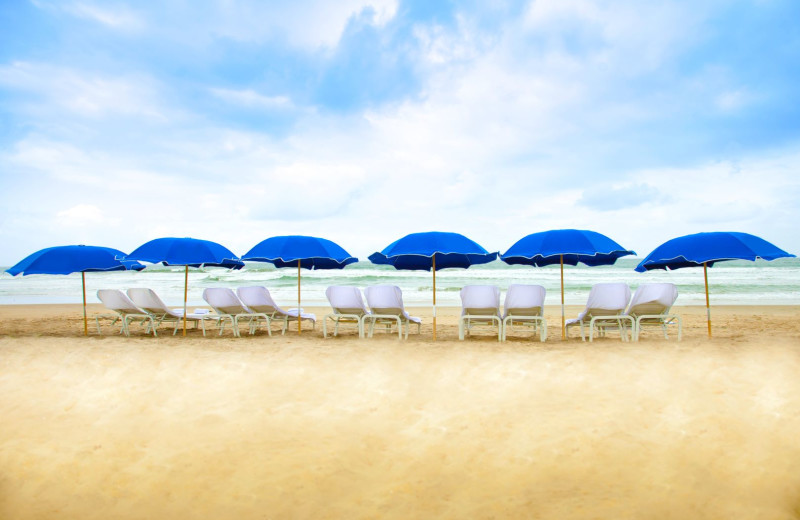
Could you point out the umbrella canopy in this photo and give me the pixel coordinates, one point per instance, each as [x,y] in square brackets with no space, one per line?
[311,252]
[570,246]
[74,259]
[303,252]
[565,246]
[188,252]
[708,248]
[432,251]
[705,249]
[417,251]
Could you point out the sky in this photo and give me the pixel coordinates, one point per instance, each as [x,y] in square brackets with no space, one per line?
[364,120]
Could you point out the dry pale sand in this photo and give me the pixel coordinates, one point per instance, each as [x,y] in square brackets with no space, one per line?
[301,427]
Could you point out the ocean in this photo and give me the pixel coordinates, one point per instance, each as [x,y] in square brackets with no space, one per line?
[730,283]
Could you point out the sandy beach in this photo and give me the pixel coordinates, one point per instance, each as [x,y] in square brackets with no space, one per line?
[305,427]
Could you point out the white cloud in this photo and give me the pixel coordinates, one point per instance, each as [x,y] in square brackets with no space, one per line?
[543,13]
[251,98]
[84,215]
[733,100]
[117,17]
[441,46]
[82,93]
[112,15]
[627,35]
[306,24]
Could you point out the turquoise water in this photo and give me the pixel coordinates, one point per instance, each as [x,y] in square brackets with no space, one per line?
[730,283]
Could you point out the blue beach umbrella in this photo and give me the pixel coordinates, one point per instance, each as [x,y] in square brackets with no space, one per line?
[188,252]
[706,249]
[74,259]
[432,251]
[302,251]
[564,246]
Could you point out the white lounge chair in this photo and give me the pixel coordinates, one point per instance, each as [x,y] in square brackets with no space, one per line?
[480,305]
[651,306]
[148,301]
[386,304]
[524,307]
[604,311]
[228,307]
[348,307]
[124,310]
[259,300]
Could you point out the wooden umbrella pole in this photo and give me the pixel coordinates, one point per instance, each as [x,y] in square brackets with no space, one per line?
[708,304]
[563,319]
[185,295]
[85,324]
[434,296]
[299,321]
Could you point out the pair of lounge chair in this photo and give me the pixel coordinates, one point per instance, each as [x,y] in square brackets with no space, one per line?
[524,307]
[610,307]
[384,307]
[252,303]
[147,307]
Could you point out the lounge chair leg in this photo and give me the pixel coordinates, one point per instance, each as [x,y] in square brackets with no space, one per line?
[126,327]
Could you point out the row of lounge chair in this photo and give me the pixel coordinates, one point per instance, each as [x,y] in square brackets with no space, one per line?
[609,307]
[254,304]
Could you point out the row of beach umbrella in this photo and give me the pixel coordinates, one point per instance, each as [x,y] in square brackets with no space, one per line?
[429,251]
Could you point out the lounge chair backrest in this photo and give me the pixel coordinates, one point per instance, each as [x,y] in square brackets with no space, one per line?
[480,300]
[607,299]
[385,299]
[346,300]
[148,300]
[224,301]
[653,298]
[258,299]
[524,300]
[116,300]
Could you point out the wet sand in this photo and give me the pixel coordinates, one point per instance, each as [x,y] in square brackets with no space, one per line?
[306,427]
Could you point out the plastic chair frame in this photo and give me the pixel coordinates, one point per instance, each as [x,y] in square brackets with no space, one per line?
[537,323]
